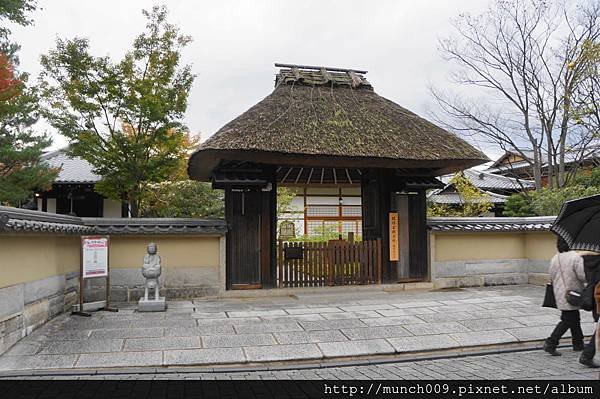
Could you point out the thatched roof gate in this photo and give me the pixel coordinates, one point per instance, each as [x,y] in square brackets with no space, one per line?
[327,126]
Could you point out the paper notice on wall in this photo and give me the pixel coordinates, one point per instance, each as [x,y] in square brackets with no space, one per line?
[94,256]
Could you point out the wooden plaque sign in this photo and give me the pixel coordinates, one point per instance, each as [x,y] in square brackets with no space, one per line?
[293,253]
[393,236]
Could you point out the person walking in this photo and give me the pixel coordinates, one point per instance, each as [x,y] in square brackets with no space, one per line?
[566,273]
[591,266]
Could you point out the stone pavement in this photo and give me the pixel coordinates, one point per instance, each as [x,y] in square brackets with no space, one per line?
[508,365]
[309,327]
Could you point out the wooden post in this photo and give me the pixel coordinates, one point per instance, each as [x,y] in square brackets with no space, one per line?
[330,262]
[376,193]
[403,264]
[45,202]
[379,261]
[81,282]
[279,263]
[107,307]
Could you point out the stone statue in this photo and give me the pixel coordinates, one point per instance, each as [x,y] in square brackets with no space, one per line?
[151,270]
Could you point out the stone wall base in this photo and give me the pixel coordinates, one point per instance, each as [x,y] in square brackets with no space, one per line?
[127,284]
[25,307]
[455,274]
[539,278]
[133,294]
[482,280]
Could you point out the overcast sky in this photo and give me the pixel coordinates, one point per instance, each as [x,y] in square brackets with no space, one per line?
[236,44]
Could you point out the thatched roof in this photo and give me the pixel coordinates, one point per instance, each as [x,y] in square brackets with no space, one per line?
[332,118]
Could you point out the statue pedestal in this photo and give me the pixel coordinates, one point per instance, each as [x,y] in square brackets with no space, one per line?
[152,305]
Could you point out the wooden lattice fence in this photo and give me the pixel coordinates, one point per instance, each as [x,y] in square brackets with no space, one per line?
[337,262]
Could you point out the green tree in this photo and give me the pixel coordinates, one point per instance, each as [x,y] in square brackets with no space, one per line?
[548,201]
[474,201]
[324,233]
[590,177]
[518,205]
[183,199]
[16,12]
[21,172]
[125,117]
[285,196]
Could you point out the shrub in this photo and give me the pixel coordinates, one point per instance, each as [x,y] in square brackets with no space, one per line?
[518,205]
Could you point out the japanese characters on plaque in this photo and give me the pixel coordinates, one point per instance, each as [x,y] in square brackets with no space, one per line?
[393,222]
[94,256]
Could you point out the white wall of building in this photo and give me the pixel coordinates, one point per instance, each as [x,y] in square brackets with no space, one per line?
[112,208]
[51,205]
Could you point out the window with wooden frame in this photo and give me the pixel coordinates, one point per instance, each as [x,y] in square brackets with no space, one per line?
[338,209]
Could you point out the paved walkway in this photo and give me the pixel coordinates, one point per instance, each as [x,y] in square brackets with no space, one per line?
[511,365]
[314,327]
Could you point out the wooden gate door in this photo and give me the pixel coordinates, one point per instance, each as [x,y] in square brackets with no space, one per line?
[243,239]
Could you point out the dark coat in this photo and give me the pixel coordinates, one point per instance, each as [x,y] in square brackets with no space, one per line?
[591,268]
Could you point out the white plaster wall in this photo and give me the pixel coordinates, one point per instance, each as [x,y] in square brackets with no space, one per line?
[322,200]
[322,191]
[112,208]
[51,205]
[351,200]
[297,205]
[351,191]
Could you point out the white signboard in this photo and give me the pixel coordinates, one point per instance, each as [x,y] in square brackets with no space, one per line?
[94,258]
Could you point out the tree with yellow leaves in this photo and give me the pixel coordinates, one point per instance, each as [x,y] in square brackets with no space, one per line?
[474,201]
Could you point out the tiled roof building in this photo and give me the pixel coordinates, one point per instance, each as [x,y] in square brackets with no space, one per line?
[72,192]
[496,188]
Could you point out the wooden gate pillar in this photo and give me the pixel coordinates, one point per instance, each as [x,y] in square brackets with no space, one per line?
[418,244]
[382,193]
[268,247]
[251,215]
[376,203]
[400,204]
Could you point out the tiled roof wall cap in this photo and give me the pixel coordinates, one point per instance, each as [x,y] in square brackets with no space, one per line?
[537,223]
[26,214]
[23,220]
[157,226]
[30,226]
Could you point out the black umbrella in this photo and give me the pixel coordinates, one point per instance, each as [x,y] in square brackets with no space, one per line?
[578,223]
